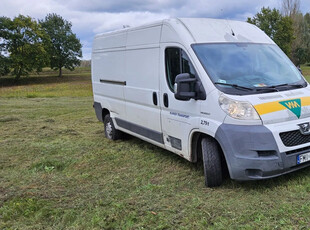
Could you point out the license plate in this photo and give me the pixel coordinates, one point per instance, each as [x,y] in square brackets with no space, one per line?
[302,158]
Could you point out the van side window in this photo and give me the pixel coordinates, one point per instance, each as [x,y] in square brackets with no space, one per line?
[177,61]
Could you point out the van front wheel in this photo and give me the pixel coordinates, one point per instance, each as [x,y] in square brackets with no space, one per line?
[211,162]
[109,129]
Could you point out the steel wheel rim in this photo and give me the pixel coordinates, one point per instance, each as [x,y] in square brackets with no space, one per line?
[109,130]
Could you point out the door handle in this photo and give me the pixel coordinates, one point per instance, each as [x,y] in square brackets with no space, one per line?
[155,98]
[166,101]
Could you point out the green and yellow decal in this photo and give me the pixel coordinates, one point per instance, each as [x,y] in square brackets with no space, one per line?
[294,105]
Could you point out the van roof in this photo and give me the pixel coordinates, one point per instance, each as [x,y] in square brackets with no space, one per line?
[206,30]
[221,30]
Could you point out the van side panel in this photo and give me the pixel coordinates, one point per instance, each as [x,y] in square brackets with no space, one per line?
[110,41]
[142,71]
[144,36]
[142,75]
[108,73]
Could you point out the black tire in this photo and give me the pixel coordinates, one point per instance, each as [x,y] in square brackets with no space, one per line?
[211,162]
[109,129]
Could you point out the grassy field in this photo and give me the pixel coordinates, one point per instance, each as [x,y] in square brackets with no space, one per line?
[57,171]
[306,71]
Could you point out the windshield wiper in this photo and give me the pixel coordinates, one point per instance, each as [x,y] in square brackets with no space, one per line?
[234,85]
[271,88]
[274,87]
[297,85]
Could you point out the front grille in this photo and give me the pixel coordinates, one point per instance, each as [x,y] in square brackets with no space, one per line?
[293,138]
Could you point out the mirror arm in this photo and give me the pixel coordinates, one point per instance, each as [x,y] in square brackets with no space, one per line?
[188,94]
[182,85]
[188,80]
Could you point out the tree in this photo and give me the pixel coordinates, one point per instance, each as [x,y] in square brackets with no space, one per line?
[290,8]
[301,44]
[4,60]
[64,47]
[4,65]
[306,36]
[284,35]
[22,39]
[277,27]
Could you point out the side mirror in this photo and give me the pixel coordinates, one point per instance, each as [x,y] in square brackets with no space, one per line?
[186,88]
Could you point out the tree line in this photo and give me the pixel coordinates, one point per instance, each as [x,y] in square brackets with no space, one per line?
[288,27]
[28,45]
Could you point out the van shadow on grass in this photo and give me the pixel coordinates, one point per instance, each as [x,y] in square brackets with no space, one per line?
[295,177]
[256,185]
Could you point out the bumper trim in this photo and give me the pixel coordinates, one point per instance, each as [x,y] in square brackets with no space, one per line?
[242,146]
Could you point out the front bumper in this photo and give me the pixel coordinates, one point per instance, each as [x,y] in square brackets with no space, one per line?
[252,152]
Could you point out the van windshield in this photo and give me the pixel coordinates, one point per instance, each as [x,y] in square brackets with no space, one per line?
[248,68]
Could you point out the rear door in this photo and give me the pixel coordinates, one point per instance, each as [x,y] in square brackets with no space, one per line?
[178,118]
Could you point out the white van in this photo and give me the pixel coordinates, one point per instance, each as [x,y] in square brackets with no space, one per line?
[218,90]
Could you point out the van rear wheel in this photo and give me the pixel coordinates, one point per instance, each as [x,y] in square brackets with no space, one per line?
[211,162]
[109,129]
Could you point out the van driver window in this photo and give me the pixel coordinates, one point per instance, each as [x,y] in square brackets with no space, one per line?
[177,61]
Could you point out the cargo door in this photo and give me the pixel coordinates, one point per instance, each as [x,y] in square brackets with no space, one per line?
[141,91]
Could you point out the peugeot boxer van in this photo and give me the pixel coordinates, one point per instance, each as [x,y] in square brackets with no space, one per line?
[217,90]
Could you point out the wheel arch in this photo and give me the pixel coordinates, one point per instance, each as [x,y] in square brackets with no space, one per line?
[104,113]
[196,151]
[100,112]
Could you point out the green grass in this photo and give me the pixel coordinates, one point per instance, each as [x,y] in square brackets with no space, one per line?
[47,84]
[57,171]
[306,71]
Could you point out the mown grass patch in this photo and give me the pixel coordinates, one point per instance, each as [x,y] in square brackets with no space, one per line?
[306,71]
[48,165]
[47,84]
[86,181]
[22,208]
[57,171]
[66,89]
[8,119]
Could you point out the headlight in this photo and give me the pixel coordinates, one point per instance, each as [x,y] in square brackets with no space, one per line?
[238,109]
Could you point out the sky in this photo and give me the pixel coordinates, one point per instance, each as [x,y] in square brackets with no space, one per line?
[90,17]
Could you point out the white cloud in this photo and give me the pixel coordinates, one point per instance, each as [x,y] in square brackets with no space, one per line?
[89,24]
[97,16]
[116,6]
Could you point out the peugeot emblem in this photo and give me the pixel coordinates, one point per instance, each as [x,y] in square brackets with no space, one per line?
[304,128]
